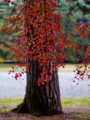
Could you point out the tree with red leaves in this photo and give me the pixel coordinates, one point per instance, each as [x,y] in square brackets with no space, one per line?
[41,35]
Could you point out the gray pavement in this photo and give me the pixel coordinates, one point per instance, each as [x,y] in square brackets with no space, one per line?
[11,88]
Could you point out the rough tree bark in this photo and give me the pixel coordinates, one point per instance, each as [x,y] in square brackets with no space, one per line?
[44,99]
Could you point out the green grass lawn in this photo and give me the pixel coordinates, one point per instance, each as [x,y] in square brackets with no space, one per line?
[66,102]
[10,100]
[76,101]
[7,67]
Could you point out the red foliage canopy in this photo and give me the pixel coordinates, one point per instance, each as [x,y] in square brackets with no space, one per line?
[41,35]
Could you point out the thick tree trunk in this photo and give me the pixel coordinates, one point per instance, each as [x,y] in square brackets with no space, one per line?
[44,99]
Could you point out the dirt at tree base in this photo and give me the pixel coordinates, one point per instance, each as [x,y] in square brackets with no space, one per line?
[70,113]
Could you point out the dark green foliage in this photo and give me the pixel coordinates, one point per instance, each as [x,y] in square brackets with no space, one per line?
[7,40]
[71,13]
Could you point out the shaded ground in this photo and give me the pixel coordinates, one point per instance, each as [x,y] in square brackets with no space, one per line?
[70,113]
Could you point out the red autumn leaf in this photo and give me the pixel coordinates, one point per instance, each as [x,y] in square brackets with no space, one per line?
[11,2]
[38,84]
[5,0]
[12,67]
[43,83]
[68,0]
[16,5]
[8,1]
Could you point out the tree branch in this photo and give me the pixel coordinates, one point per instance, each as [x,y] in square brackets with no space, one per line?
[2,42]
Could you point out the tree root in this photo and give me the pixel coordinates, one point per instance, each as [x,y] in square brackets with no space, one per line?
[21,108]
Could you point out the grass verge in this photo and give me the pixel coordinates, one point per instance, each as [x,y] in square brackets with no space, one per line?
[76,102]
[66,102]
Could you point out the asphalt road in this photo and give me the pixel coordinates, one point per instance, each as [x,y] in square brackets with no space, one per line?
[11,88]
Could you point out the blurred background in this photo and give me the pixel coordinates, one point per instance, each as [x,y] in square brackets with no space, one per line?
[5,39]
[71,13]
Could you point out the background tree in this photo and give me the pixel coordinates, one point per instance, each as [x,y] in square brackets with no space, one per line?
[7,39]
[72,13]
